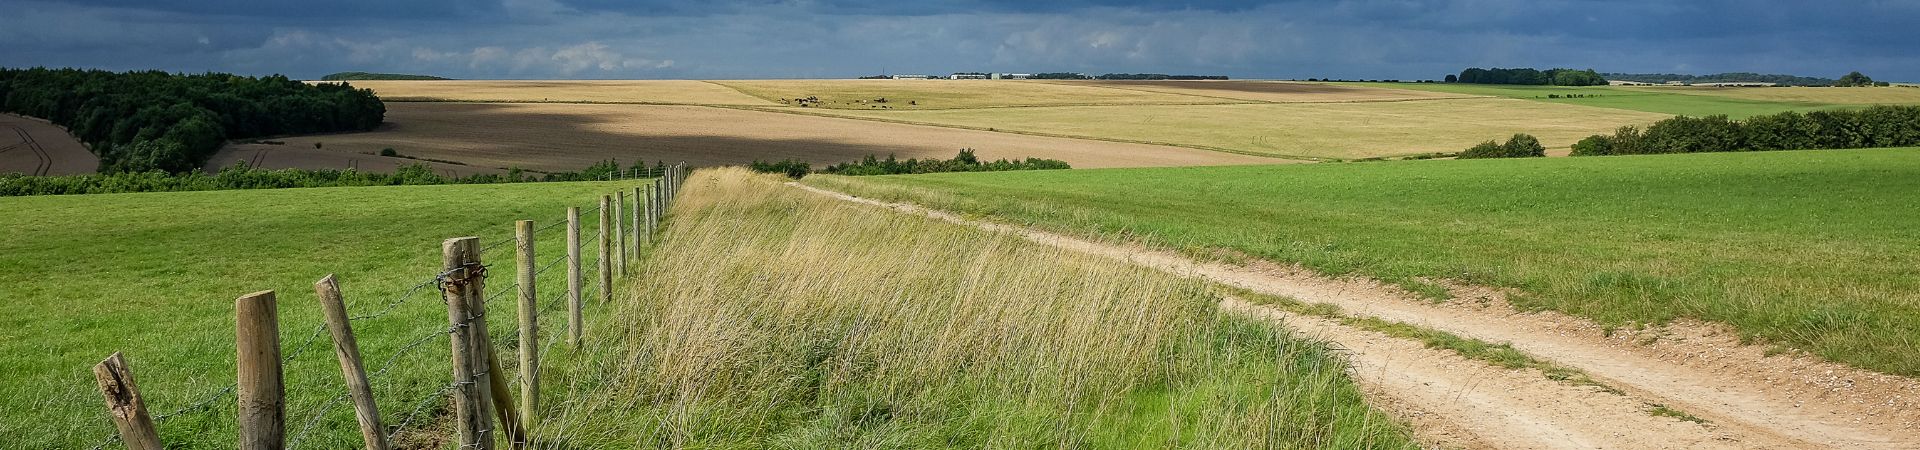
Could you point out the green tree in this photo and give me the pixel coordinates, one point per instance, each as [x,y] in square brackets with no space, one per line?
[1853,79]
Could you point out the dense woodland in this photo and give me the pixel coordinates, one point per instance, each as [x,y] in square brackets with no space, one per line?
[351,76]
[152,120]
[1555,77]
[1730,77]
[1878,126]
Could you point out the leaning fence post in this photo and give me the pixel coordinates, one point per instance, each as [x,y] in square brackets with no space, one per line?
[606,249]
[529,324]
[262,390]
[651,210]
[334,308]
[124,403]
[618,231]
[573,277]
[463,282]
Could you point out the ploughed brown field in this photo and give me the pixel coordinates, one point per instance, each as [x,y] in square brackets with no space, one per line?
[34,147]
[557,137]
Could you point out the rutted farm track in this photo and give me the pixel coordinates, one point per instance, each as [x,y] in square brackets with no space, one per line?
[1746,398]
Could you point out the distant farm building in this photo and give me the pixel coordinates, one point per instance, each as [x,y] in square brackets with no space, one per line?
[912,77]
[968,76]
[1012,76]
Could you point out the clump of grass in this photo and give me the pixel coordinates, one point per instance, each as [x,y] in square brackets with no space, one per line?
[1501,355]
[1659,410]
[774,318]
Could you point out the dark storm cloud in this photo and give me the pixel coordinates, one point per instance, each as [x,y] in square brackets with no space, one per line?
[803,38]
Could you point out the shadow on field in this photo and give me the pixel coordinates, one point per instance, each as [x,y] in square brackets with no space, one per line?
[552,137]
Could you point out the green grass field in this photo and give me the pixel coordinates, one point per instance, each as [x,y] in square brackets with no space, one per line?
[1813,250]
[1635,99]
[155,275]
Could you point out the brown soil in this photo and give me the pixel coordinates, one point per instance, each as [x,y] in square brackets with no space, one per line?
[35,147]
[1751,400]
[289,156]
[557,137]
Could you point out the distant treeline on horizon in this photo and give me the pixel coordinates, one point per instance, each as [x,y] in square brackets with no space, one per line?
[1730,77]
[360,76]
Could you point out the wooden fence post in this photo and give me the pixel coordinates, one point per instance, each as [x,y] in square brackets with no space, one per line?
[640,212]
[618,230]
[650,212]
[606,258]
[334,309]
[464,282]
[529,324]
[262,390]
[124,404]
[573,277]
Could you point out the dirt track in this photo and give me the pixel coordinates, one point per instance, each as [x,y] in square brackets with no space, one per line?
[1750,400]
[34,147]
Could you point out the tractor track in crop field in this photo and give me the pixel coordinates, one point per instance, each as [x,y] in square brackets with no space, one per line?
[1681,385]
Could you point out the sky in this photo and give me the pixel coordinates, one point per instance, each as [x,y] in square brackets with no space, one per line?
[731,39]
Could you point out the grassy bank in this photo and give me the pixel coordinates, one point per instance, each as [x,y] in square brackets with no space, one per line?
[772,318]
[1812,250]
[155,275]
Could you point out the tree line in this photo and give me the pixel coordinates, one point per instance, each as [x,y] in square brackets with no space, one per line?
[242,176]
[871,165]
[1528,76]
[152,120]
[1877,126]
[1729,77]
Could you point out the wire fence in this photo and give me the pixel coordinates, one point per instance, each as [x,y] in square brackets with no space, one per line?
[419,408]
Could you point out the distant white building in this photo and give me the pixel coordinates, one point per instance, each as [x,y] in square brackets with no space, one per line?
[968,76]
[1012,76]
[912,77]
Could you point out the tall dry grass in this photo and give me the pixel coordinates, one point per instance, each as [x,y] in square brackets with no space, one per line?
[771,318]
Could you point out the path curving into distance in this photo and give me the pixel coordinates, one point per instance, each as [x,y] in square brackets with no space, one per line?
[1748,399]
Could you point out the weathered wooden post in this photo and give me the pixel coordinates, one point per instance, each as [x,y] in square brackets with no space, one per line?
[640,212]
[606,250]
[345,348]
[529,323]
[463,282]
[125,405]
[573,277]
[651,211]
[618,232]
[262,390]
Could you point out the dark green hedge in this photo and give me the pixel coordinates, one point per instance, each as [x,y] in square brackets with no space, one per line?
[964,162]
[240,176]
[1877,126]
[145,121]
[1518,146]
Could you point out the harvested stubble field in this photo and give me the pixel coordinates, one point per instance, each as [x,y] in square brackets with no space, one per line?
[951,94]
[1825,95]
[680,92]
[1300,130]
[34,147]
[556,137]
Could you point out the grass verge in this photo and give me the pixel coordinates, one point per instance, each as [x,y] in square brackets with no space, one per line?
[774,318]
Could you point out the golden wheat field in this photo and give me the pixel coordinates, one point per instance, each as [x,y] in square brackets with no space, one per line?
[1269,91]
[1301,130]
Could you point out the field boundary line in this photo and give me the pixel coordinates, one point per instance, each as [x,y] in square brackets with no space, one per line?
[1730,391]
[1034,133]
